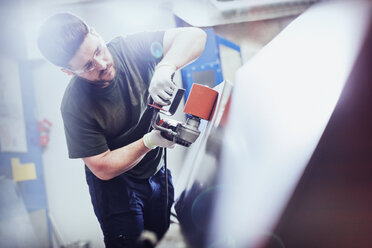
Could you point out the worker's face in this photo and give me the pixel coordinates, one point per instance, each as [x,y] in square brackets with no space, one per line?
[93,61]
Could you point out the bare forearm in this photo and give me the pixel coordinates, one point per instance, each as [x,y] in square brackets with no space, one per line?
[184,46]
[125,158]
[113,163]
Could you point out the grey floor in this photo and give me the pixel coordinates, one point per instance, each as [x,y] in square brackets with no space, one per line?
[173,238]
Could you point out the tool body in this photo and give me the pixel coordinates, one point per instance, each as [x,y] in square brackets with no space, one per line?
[200,105]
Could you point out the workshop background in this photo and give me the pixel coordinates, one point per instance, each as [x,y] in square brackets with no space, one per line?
[44,198]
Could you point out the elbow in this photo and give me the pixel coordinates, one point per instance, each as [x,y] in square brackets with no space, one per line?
[203,35]
[200,38]
[104,176]
[99,165]
[199,33]
[101,171]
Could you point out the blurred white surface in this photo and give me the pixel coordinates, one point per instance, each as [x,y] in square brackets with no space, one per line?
[282,101]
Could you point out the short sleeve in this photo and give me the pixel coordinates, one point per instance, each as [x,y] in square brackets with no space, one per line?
[149,45]
[83,138]
[141,51]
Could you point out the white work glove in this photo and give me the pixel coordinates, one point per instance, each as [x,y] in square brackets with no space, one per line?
[161,86]
[154,139]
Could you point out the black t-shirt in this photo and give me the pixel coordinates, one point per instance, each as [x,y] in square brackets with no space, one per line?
[97,119]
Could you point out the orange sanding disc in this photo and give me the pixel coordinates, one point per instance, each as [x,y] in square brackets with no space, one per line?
[201,101]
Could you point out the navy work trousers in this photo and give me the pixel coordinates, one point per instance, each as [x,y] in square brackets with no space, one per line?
[147,211]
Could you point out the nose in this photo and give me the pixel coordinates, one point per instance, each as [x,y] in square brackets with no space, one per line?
[101,64]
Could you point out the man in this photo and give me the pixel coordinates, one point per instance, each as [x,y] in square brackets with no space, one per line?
[107,122]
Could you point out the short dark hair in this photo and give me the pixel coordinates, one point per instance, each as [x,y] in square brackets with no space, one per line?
[60,37]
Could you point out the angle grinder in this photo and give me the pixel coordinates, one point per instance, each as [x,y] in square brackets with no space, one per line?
[199,105]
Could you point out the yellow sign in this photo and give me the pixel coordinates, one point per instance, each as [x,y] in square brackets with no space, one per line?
[23,172]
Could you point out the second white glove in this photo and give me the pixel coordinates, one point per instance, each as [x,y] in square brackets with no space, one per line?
[154,139]
[161,86]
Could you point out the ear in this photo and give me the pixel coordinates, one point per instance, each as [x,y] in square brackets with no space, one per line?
[67,71]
